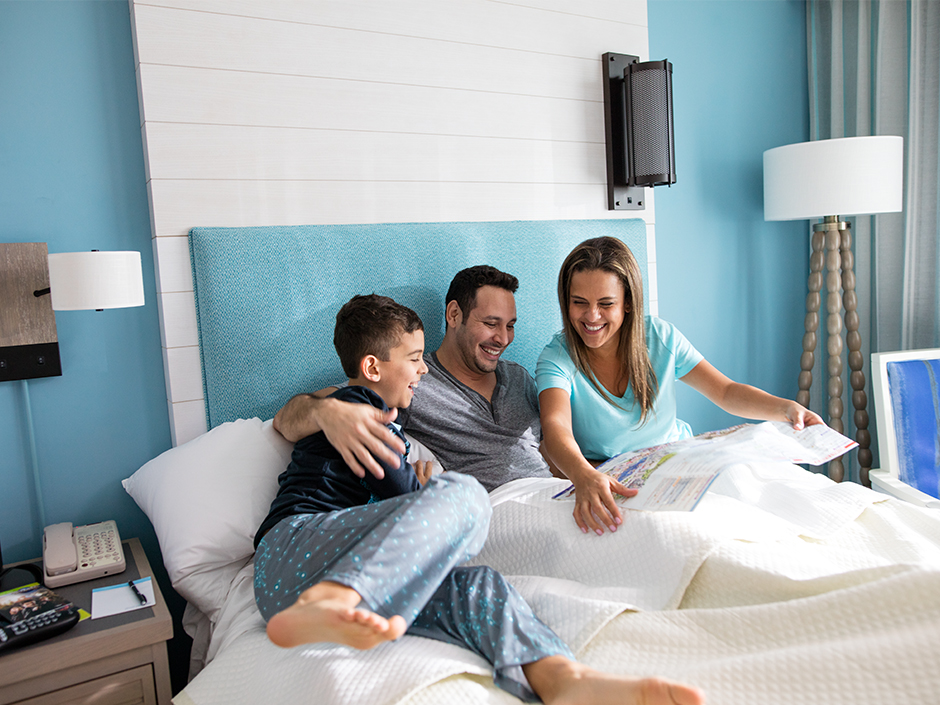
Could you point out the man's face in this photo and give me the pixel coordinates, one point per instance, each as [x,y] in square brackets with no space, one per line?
[487,330]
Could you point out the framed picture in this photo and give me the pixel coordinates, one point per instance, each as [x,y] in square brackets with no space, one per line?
[906,387]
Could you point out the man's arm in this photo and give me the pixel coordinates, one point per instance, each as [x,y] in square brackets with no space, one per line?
[298,418]
[357,431]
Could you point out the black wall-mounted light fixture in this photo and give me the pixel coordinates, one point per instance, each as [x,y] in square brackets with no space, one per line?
[639,128]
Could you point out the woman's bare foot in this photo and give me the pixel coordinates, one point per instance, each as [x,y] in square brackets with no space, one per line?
[327,613]
[559,681]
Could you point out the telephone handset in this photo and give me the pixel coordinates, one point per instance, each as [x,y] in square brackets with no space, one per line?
[73,554]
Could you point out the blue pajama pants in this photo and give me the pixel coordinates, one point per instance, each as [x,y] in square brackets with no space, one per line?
[402,556]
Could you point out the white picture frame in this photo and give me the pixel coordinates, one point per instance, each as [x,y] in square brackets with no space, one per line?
[887,479]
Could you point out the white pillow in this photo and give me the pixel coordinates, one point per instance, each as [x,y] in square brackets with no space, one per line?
[205,499]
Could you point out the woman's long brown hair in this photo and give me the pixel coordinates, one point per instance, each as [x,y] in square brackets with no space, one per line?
[608,254]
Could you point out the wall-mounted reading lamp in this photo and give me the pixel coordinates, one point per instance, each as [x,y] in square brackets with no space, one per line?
[639,128]
[33,284]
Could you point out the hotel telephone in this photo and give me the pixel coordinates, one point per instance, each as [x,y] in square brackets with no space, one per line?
[73,554]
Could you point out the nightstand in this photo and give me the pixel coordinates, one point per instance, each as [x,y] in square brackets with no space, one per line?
[115,660]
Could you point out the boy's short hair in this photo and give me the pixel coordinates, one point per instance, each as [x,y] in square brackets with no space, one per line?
[464,286]
[371,325]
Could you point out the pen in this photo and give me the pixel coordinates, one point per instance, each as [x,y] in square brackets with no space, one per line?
[140,596]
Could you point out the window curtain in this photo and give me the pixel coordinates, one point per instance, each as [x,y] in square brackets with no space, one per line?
[874,69]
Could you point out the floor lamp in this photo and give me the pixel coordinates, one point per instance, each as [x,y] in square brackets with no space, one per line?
[831,179]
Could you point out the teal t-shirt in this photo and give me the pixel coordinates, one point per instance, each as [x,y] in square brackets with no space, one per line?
[603,430]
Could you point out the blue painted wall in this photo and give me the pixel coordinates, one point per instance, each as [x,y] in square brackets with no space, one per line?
[72,176]
[733,283]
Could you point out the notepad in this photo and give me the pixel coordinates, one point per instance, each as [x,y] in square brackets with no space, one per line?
[115,599]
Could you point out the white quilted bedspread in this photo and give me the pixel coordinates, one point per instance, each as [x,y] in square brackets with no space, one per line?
[781,587]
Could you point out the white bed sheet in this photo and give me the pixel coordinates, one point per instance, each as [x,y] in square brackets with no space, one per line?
[781,587]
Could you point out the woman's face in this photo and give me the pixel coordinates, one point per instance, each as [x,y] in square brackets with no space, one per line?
[597,307]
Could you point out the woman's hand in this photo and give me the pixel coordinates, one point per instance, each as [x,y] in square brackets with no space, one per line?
[800,417]
[594,505]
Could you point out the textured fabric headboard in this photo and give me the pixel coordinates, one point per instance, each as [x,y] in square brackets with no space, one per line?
[267,297]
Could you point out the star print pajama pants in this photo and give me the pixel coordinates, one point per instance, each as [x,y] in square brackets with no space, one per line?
[402,556]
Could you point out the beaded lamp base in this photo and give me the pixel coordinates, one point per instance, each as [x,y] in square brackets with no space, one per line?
[832,252]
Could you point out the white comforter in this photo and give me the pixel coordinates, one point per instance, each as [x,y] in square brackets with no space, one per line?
[781,587]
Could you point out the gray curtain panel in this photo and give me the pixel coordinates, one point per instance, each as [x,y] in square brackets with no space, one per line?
[874,69]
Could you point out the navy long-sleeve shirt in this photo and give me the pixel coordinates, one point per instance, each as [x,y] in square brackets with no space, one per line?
[318,479]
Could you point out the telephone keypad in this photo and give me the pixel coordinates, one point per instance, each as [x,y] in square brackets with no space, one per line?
[98,546]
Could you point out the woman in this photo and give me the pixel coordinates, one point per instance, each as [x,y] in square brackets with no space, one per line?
[607,382]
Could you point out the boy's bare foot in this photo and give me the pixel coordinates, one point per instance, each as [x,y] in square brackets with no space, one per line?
[327,613]
[558,681]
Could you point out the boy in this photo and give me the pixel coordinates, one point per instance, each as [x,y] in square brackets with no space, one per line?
[360,561]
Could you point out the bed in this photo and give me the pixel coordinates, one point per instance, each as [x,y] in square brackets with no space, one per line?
[780,587]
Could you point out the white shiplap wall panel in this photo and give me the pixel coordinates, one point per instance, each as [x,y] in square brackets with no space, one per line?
[626,11]
[561,27]
[354,111]
[186,384]
[269,154]
[182,205]
[179,311]
[211,97]
[173,269]
[652,306]
[187,419]
[284,48]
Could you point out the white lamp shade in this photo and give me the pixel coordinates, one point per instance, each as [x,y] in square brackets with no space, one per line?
[95,280]
[846,176]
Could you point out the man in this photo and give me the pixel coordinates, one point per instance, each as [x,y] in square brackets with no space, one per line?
[476,412]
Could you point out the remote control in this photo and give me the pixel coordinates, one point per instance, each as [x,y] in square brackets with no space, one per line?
[38,627]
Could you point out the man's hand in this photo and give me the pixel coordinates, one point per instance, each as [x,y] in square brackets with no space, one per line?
[357,431]
[360,434]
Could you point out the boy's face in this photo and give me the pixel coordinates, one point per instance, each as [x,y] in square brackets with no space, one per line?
[400,374]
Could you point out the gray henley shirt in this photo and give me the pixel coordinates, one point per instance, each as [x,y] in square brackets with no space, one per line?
[496,441]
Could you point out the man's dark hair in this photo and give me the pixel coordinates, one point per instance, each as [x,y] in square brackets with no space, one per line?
[370,325]
[464,286]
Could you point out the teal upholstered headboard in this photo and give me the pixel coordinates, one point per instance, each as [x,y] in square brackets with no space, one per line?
[267,297]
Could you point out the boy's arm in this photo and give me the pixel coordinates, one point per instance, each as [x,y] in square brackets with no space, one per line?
[357,431]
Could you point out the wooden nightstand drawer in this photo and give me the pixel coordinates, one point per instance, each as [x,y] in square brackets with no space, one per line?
[133,687]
